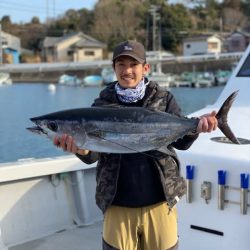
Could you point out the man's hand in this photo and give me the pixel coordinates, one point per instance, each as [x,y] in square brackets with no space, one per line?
[207,123]
[66,142]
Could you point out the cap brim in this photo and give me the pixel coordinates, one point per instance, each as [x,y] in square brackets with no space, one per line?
[140,60]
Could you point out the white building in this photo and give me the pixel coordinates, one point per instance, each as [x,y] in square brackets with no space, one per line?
[204,44]
[10,41]
[10,47]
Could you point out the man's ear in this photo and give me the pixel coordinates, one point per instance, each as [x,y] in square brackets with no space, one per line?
[146,69]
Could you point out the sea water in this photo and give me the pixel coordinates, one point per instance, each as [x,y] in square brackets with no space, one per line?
[21,101]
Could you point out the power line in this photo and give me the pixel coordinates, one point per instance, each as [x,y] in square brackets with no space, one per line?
[36,10]
[27,6]
[22,9]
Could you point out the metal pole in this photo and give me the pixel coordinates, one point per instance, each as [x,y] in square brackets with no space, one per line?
[243,200]
[159,33]
[54,9]
[153,9]
[154,30]
[189,194]
[221,197]
[147,33]
[47,10]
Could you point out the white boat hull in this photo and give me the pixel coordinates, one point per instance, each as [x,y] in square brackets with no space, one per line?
[221,223]
[5,79]
[41,197]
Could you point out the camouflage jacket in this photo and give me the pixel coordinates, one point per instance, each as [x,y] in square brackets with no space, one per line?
[108,165]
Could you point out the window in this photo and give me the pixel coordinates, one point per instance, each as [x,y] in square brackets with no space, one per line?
[89,53]
[4,43]
[245,69]
[212,45]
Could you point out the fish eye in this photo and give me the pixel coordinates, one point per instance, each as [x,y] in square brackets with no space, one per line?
[52,126]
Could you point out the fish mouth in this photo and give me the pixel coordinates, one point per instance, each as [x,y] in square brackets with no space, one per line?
[37,130]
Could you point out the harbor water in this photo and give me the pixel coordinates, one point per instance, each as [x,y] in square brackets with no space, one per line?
[21,101]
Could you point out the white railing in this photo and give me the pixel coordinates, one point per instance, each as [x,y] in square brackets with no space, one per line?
[154,58]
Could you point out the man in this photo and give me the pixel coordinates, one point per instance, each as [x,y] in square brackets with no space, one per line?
[138,192]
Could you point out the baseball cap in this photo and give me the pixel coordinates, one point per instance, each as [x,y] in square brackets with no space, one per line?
[130,48]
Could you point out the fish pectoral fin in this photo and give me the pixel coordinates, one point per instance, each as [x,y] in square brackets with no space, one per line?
[97,134]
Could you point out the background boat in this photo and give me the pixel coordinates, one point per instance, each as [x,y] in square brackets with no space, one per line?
[69,80]
[5,79]
[92,80]
[222,76]
[108,75]
[164,80]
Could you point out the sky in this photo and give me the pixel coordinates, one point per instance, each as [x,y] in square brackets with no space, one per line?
[24,10]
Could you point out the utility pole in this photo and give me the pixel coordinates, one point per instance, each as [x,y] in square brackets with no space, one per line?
[147,34]
[54,9]
[47,11]
[153,11]
[1,46]
[159,32]
[156,44]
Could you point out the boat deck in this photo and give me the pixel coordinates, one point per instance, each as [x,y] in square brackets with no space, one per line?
[86,237]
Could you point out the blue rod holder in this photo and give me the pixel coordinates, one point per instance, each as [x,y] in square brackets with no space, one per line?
[189,172]
[222,177]
[244,181]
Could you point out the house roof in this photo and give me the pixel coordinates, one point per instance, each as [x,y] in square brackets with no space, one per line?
[241,32]
[5,34]
[50,41]
[199,38]
[88,44]
[13,42]
[84,41]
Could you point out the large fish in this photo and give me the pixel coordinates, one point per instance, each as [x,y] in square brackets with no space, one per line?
[124,129]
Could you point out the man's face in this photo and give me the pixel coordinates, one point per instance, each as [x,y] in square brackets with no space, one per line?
[129,72]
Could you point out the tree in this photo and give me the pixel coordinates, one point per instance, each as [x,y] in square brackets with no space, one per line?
[233,4]
[176,21]
[86,20]
[72,20]
[35,20]
[232,19]
[245,7]
[117,20]
[6,22]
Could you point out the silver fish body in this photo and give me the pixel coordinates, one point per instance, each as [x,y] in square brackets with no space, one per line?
[123,129]
[115,130]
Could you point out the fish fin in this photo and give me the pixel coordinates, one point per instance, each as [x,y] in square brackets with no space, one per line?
[96,134]
[222,118]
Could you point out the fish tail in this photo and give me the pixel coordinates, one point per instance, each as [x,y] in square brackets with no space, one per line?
[222,118]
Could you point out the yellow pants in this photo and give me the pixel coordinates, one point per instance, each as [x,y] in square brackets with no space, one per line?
[147,228]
